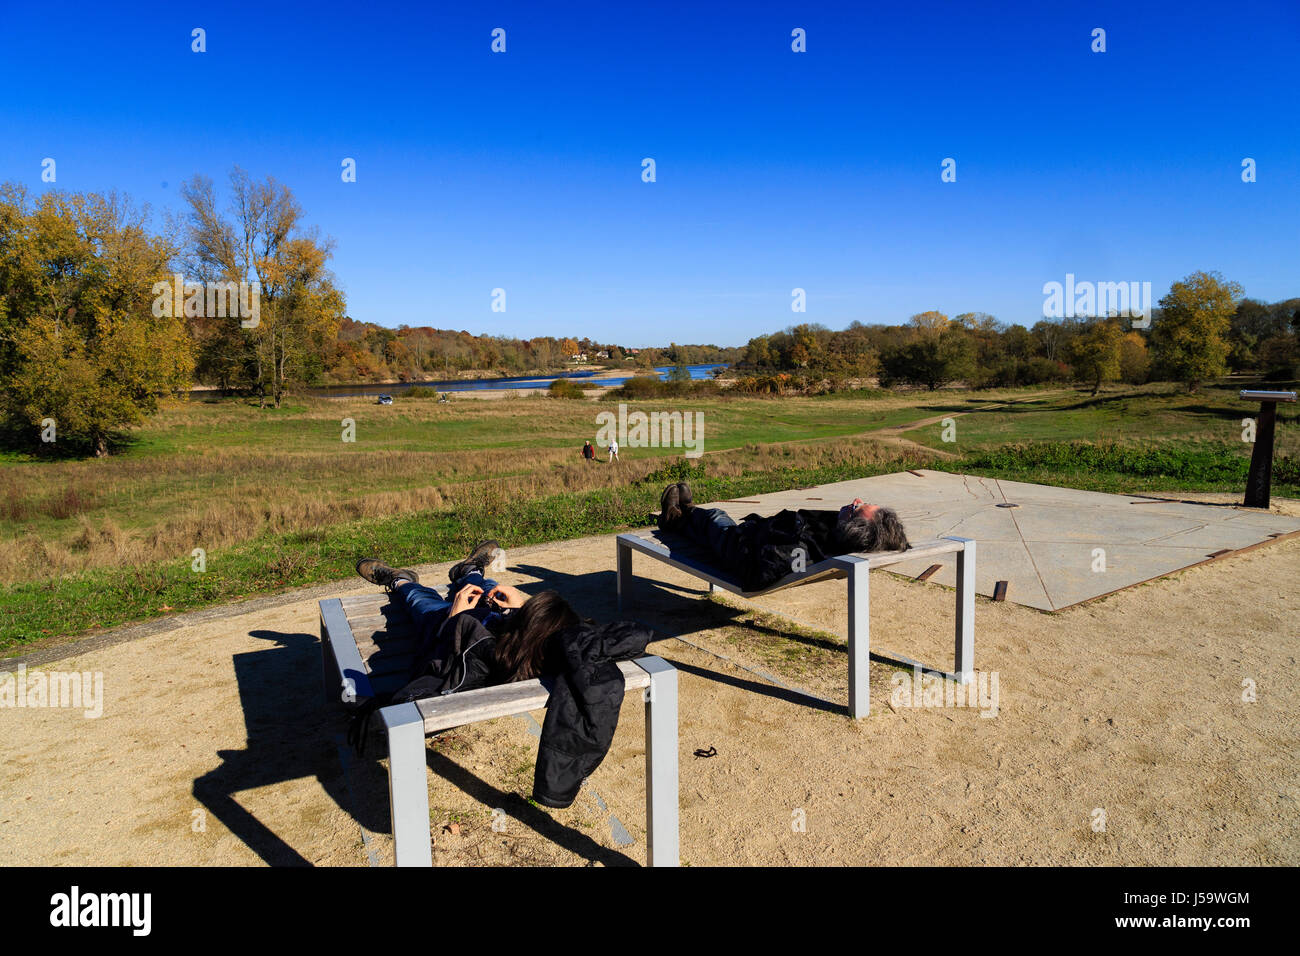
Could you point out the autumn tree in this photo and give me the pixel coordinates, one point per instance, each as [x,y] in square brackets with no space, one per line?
[262,239]
[80,345]
[1134,360]
[1189,338]
[936,354]
[1095,353]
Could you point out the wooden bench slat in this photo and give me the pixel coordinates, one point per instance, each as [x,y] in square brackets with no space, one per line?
[922,549]
[360,601]
[380,622]
[389,648]
[504,700]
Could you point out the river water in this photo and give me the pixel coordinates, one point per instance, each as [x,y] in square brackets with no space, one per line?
[479,384]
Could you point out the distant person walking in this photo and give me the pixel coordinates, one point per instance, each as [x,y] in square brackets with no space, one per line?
[613,451]
[589,451]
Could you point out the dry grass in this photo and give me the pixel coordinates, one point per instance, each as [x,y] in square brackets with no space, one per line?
[238,496]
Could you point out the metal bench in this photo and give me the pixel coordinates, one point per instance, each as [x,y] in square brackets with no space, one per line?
[367,648]
[680,553]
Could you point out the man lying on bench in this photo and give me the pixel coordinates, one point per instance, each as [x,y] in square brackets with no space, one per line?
[762,550]
[483,633]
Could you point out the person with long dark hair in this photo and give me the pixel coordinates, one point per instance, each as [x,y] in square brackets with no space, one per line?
[483,633]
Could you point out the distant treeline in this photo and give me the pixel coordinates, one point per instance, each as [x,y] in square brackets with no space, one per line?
[1202,329]
[366,352]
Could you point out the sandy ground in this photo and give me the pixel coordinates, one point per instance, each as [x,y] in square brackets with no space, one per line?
[1121,737]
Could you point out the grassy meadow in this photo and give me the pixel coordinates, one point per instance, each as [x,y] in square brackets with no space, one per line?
[276,499]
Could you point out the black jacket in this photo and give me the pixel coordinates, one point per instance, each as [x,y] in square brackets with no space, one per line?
[582,714]
[581,670]
[461,656]
[765,545]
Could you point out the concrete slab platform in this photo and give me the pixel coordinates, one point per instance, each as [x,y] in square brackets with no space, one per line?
[1057,547]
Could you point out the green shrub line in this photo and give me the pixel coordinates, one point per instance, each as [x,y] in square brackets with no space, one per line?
[110,597]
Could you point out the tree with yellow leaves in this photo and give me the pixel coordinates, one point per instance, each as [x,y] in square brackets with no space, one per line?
[1190,337]
[82,354]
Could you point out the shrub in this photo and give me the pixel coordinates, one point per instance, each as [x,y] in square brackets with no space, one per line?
[419,391]
[563,388]
[680,470]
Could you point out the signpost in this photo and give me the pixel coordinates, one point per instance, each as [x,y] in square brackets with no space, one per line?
[1259,481]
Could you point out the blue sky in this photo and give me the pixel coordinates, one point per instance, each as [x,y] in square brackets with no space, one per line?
[775,170]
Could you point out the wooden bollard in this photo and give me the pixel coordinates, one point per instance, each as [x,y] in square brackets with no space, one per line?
[1259,481]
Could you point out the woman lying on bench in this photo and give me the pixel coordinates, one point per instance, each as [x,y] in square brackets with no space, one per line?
[760,550]
[483,633]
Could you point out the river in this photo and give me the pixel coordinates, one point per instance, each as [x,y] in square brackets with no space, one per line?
[480,384]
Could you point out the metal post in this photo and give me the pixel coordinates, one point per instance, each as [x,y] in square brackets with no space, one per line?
[408,787]
[964,653]
[624,572]
[859,635]
[1259,481]
[661,787]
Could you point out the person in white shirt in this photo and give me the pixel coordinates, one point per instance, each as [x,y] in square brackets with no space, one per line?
[613,451]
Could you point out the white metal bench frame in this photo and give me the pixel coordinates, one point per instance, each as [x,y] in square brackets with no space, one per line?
[855,568]
[346,677]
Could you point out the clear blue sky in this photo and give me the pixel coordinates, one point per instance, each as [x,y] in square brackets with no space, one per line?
[819,170]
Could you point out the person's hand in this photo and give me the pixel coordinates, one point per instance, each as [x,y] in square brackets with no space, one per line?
[466,598]
[505,596]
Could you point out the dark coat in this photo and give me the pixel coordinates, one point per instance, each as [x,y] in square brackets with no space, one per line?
[461,656]
[582,714]
[581,670]
[764,550]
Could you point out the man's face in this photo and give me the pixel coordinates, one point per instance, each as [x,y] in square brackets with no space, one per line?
[858,509]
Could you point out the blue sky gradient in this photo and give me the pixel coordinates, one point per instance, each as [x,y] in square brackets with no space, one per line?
[775,170]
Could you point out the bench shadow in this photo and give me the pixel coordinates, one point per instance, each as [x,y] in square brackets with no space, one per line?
[288,729]
[789,695]
[517,808]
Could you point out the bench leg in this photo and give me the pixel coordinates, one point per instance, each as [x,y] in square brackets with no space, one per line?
[408,788]
[859,639]
[661,789]
[965,638]
[624,565]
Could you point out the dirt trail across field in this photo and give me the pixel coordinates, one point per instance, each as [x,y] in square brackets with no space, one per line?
[1152,726]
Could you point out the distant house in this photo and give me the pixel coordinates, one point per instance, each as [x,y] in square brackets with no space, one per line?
[580,357]
[602,354]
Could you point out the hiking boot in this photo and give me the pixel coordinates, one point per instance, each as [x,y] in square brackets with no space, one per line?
[685,501]
[670,509]
[478,559]
[376,572]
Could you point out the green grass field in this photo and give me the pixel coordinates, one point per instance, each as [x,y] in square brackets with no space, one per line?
[276,499]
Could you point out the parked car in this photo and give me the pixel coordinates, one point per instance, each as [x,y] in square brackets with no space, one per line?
[385,399]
